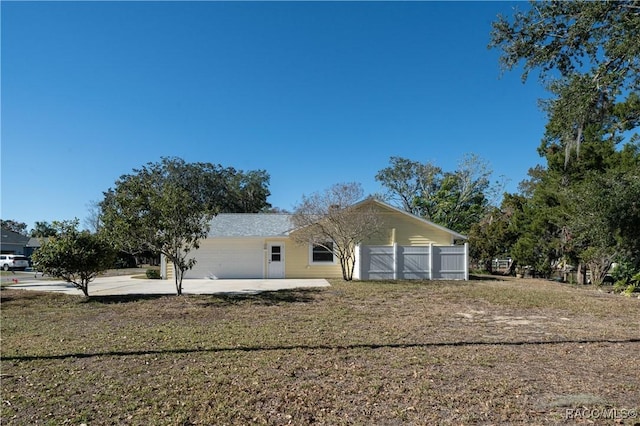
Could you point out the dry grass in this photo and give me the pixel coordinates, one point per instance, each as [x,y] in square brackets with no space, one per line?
[478,352]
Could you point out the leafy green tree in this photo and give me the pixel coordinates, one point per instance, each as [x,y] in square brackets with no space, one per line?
[599,37]
[529,226]
[543,241]
[604,213]
[166,207]
[584,214]
[455,199]
[329,219]
[407,182]
[486,239]
[246,192]
[588,55]
[44,229]
[75,256]
[13,225]
[496,233]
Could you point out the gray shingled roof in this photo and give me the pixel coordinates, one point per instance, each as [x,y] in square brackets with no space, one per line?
[250,225]
[10,237]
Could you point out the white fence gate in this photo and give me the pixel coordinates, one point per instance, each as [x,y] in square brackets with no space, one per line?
[413,262]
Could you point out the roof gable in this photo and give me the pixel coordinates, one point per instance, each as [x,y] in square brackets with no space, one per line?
[421,220]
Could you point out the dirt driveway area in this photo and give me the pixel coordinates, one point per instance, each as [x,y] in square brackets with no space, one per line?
[118,285]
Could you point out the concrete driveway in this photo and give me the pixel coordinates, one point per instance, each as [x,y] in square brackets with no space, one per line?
[109,286]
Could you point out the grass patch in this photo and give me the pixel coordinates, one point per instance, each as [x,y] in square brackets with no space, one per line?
[514,351]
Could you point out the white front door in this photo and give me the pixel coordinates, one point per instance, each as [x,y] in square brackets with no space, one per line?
[275,260]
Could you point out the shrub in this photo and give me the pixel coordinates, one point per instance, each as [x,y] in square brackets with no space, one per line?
[153,274]
[619,286]
[628,286]
[627,278]
[75,256]
[623,272]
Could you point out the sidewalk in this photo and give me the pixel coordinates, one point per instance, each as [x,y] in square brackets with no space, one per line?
[118,285]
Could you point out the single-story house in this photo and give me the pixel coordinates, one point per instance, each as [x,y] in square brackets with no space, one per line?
[12,242]
[258,245]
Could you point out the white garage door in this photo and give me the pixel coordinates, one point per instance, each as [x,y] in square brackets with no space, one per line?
[229,259]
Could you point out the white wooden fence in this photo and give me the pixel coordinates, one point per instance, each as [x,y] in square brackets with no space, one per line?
[413,262]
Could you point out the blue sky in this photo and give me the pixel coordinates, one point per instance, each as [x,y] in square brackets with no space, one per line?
[315,93]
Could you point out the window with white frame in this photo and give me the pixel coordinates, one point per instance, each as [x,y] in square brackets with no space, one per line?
[322,253]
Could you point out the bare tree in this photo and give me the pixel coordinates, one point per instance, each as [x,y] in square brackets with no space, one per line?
[334,220]
[93,221]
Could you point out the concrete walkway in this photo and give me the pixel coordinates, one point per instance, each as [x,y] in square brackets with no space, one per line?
[118,285]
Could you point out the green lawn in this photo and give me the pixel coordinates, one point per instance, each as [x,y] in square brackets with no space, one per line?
[489,352]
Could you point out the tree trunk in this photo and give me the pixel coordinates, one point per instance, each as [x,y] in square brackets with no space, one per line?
[581,274]
[599,269]
[82,285]
[351,267]
[178,277]
[347,265]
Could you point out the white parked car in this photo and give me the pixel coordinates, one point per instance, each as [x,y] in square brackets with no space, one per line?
[13,262]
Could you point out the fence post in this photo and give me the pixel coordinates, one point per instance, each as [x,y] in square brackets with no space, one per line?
[430,261]
[395,260]
[466,261]
[357,269]
[163,267]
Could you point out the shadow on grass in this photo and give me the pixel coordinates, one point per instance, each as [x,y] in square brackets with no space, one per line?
[8,296]
[219,299]
[18,296]
[21,295]
[122,298]
[267,298]
[315,347]
[474,277]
